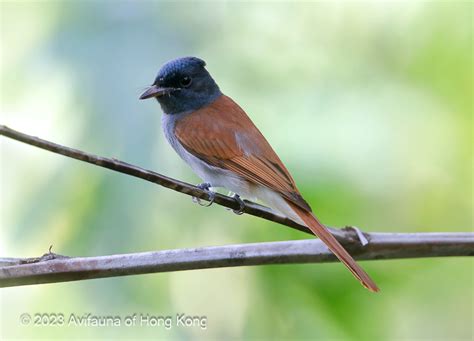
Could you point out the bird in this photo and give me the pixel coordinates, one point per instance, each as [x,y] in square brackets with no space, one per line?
[222,145]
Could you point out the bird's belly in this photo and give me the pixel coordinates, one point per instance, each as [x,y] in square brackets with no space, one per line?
[226,179]
[219,177]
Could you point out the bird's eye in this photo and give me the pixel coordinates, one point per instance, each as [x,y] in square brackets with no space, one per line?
[185,81]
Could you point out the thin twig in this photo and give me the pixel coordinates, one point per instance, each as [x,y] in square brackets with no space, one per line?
[176,185]
[381,246]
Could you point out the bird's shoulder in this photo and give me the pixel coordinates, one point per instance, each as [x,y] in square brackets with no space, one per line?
[221,128]
[222,120]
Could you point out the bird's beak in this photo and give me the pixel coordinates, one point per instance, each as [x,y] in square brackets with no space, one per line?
[155,91]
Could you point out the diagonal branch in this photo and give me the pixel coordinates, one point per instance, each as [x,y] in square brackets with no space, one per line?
[159,179]
[381,246]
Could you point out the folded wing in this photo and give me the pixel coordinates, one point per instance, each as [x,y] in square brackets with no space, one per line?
[235,143]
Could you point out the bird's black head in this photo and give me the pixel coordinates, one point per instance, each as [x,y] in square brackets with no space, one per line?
[183,85]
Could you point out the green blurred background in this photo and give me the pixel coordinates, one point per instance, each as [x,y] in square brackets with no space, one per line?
[378,98]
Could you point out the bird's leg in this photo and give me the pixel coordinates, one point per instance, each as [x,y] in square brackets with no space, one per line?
[205,186]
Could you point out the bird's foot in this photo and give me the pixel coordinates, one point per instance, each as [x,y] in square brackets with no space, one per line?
[360,235]
[205,186]
[241,203]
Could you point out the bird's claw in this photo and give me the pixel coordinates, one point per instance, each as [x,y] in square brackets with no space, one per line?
[360,235]
[205,186]
[241,203]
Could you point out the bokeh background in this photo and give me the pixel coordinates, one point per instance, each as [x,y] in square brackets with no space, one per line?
[369,104]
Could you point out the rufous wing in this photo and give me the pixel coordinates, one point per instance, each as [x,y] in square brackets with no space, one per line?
[222,135]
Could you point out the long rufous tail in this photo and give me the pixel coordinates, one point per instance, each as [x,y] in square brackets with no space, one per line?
[331,242]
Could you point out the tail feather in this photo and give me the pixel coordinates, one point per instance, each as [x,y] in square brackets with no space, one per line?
[319,230]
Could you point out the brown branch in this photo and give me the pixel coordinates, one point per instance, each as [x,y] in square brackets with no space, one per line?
[28,271]
[159,179]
